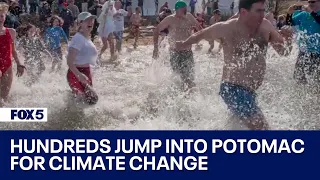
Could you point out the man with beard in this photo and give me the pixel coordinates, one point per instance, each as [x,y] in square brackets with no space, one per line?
[244,41]
[180,26]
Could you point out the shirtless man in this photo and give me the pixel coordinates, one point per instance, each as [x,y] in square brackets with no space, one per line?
[7,51]
[244,41]
[180,25]
[135,20]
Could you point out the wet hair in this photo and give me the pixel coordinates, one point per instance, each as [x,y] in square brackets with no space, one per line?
[55,17]
[4,7]
[247,4]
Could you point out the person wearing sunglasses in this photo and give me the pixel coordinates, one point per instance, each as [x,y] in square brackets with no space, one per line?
[308,26]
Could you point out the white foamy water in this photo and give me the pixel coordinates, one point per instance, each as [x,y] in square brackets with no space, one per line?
[139,94]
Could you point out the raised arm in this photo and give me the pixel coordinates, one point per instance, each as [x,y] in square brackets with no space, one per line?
[216,31]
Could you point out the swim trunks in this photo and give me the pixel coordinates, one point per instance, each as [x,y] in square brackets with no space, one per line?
[308,64]
[5,51]
[240,100]
[182,62]
[135,29]
[76,86]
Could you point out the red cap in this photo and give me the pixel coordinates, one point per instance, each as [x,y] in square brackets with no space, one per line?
[65,4]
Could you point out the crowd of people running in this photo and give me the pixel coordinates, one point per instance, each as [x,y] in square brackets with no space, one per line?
[244,39]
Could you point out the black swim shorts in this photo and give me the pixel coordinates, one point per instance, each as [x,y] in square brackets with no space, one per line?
[182,63]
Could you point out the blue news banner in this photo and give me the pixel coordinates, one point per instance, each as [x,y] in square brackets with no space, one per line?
[155,155]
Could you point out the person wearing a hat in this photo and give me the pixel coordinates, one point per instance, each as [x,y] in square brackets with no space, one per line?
[82,53]
[180,25]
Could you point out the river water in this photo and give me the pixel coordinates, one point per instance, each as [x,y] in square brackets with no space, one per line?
[139,94]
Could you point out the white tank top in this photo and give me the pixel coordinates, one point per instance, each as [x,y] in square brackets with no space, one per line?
[87,51]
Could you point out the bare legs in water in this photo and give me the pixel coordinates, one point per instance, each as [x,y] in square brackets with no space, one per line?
[105,41]
[5,85]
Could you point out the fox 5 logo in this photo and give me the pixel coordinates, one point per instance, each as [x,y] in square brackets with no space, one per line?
[23,114]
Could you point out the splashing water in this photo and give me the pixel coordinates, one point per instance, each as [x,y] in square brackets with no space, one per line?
[139,94]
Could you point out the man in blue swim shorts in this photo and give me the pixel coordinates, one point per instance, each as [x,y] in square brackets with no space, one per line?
[245,41]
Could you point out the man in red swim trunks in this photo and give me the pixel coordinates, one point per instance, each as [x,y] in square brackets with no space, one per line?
[7,51]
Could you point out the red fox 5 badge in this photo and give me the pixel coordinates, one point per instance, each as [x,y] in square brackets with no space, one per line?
[23,114]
